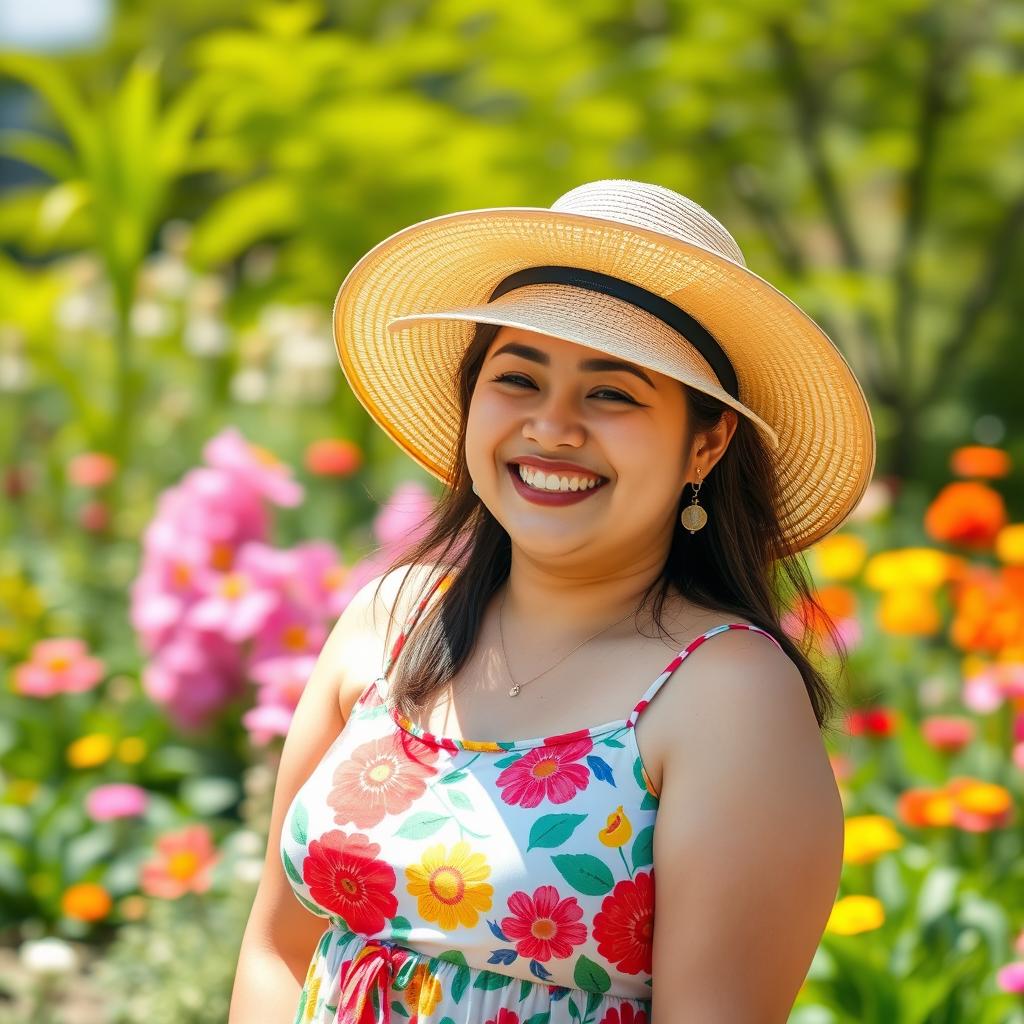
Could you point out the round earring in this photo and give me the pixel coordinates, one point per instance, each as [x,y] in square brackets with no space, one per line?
[694,516]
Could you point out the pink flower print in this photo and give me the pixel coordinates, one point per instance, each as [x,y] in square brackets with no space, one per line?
[380,777]
[544,925]
[548,772]
[57,665]
[505,1016]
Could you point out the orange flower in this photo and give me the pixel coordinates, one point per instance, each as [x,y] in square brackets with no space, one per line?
[979,806]
[184,863]
[966,513]
[989,610]
[86,901]
[908,611]
[617,830]
[333,456]
[925,807]
[91,469]
[979,461]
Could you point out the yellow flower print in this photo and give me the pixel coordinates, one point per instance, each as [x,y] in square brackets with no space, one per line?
[449,887]
[481,745]
[423,992]
[313,996]
[618,828]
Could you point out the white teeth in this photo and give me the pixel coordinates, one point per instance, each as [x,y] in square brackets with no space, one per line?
[550,482]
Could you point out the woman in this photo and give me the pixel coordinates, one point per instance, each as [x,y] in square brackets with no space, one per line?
[638,436]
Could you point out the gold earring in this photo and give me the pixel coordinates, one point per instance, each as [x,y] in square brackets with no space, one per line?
[694,516]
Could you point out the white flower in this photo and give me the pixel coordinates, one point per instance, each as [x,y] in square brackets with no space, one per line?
[51,957]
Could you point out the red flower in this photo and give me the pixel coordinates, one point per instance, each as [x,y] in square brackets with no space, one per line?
[544,925]
[878,722]
[548,772]
[505,1016]
[626,1013]
[382,776]
[624,926]
[345,877]
[333,456]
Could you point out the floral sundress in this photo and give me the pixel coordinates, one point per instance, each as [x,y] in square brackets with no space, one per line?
[477,882]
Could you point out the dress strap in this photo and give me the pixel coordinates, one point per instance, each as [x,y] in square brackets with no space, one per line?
[683,655]
[439,586]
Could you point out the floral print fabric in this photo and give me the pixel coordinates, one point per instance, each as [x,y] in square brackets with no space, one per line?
[492,882]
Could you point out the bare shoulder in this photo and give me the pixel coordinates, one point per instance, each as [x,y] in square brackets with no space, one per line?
[748,848]
[370,624]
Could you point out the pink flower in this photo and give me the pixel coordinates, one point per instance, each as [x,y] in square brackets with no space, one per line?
[1010,977]
[57,665]
[184,863]
[401,522]
[947,733]
[548,772]
[91,469]
[265,721]
[253,466]
[281,682]
[544,925]
[116,800]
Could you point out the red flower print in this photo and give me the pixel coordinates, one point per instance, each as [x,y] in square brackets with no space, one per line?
[345,877]
[624,926]
[547,772]
[382,776]
[543,925]
[626,1013]
[505,1016]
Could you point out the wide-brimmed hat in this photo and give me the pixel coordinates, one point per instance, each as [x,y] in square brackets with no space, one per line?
[631,269]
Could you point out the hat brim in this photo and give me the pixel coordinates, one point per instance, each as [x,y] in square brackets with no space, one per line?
[791,376]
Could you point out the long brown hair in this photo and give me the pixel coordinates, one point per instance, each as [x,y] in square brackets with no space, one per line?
[738,564]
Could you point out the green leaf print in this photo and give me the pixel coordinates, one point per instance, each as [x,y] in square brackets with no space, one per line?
[585,873]
[300,824]
[397,1007]
[301,1011]
[371,713]
[400,927]
[290,869]
[446,1020]
[488,980]
[447,780]
[455,956]
[319,911]
[404,973]
[643,847]
[551,830]
[422,824]
[574,1010]
[462,976]
[649,803]
[593,999]
[506,761]
[538,1018]
[460,800]
[590,976]
[613,743]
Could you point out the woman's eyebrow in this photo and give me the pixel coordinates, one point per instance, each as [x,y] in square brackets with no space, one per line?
[517,348]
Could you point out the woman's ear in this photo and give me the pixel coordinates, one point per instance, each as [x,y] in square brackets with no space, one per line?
[710,445]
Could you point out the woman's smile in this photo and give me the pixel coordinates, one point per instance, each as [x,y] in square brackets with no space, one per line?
[539,493]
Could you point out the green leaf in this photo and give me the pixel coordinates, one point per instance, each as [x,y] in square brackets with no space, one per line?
[289,867]
[300,824]
[460,800]
[422,824]
[552,830]
[585,873]
[397,1007]
[590,976]
[455,776]
[643,847]
[489,980]
[461,980]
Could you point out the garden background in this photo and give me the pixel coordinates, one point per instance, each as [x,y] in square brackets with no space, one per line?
[190,494]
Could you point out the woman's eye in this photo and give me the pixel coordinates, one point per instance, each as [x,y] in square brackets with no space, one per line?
[515,378]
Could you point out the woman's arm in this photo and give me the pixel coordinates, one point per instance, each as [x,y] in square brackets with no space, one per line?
[749,839]
[281,934]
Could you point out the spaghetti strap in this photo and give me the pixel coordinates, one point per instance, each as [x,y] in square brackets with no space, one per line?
[683,655]
[439,586]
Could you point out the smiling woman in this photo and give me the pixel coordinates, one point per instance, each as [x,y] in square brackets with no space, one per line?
[637,437]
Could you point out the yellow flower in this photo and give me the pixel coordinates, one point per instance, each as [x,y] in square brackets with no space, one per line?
[839,556]
[867,837]
[86,901]
[923,568]
[90,751]
[481,745]
[312,995]
[132,749]
[1010,544]
[852,915]
[909,611]
[423,992]
[450,887]
[984,798]
[618,829]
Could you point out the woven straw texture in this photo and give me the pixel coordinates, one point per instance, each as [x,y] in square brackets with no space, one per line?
[404,316]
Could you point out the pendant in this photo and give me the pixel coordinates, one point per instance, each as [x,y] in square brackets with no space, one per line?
[514,690]
[694,517]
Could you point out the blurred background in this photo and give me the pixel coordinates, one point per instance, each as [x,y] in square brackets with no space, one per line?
[190,494]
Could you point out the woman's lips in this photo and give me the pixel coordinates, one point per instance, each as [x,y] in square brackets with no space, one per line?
[539,497]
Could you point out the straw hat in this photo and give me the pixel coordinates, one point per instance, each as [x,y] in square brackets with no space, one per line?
[632,269]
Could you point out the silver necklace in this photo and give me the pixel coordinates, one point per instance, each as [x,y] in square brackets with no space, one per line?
[516,687]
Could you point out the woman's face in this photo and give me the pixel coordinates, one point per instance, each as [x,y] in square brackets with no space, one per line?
[540,396]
